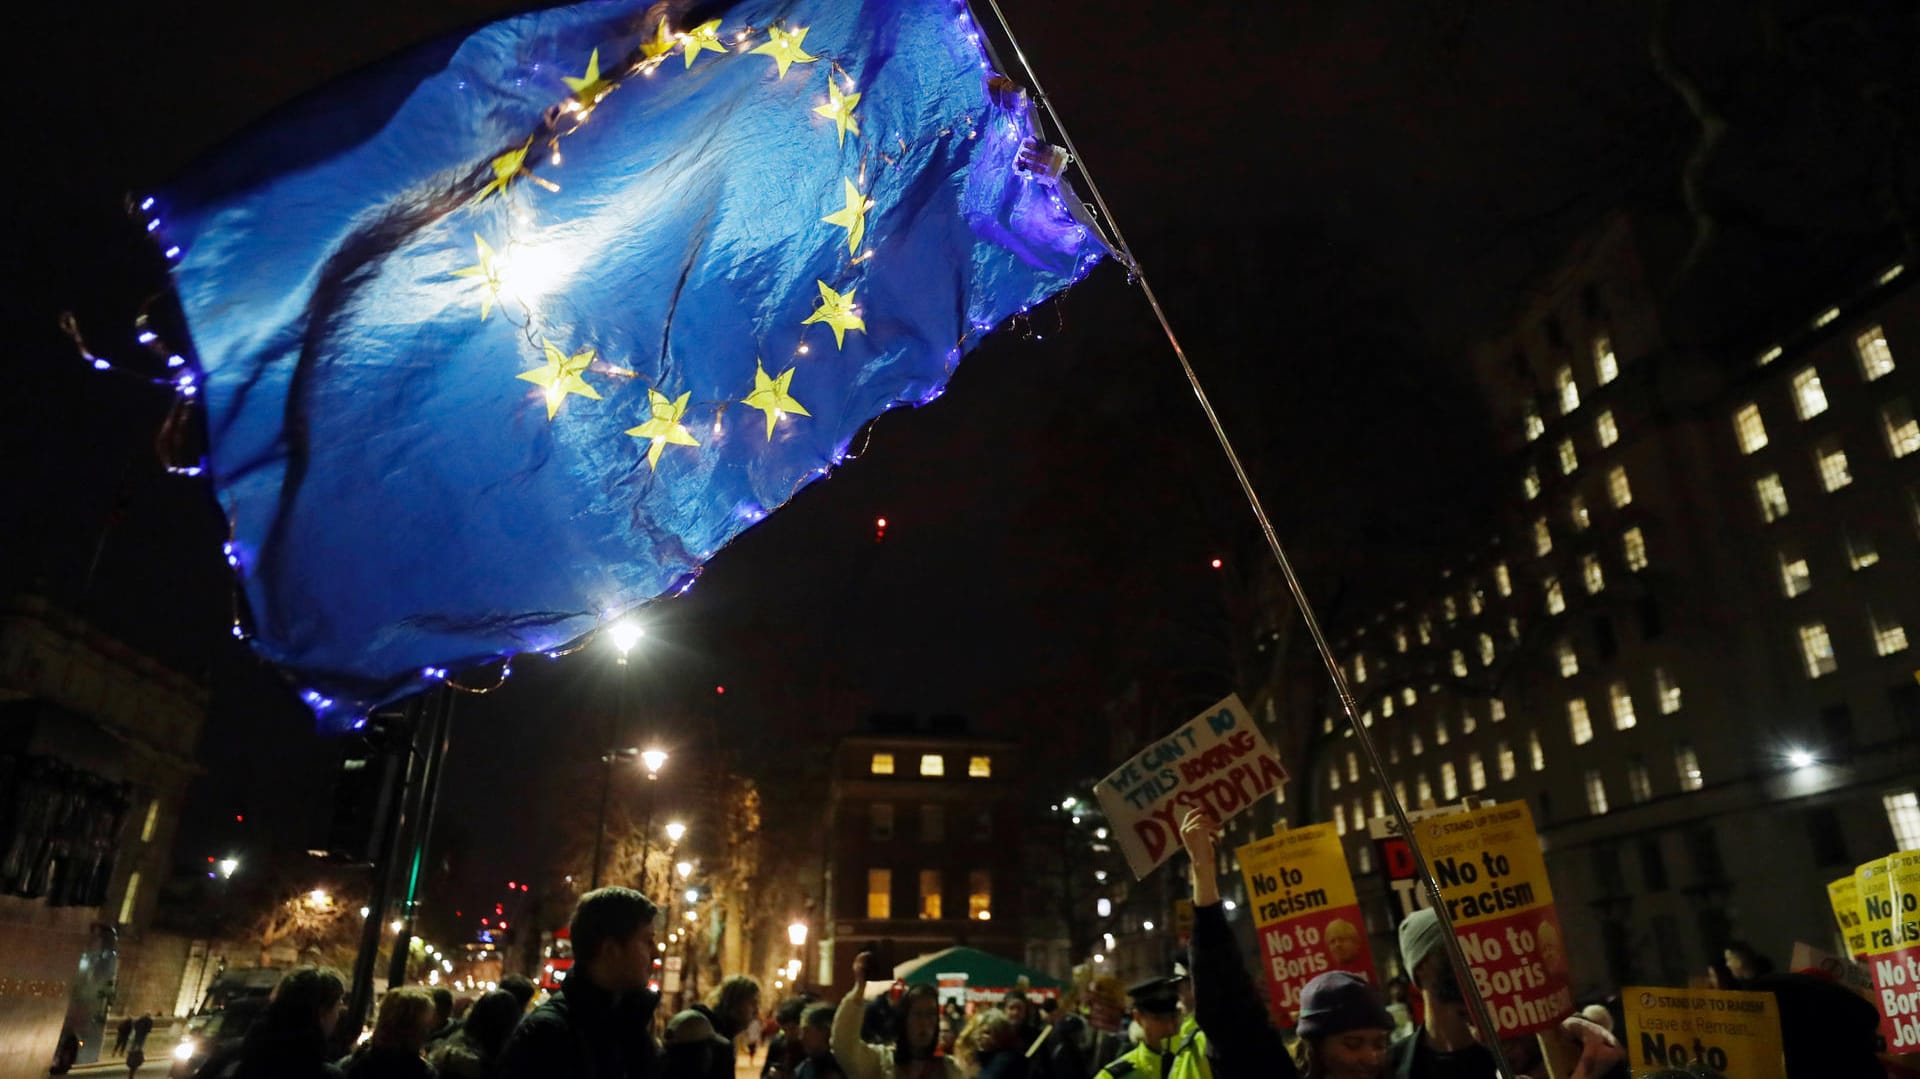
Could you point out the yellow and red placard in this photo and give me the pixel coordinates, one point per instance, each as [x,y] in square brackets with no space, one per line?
[1731,1033]
[1844,895]
[1890,907]
[1493,879]
[1306,915]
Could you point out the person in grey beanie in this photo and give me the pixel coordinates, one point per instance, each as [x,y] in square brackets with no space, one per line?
[1443,1047]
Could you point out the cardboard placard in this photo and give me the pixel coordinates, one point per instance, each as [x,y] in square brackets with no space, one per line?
[1218,761]
[1890,906]
[1732,1033]
[1306,914]
[1844,896]
[1493,879]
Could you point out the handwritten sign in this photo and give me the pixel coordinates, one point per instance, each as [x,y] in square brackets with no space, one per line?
[1844,896]
[1890,908]
[1493,880]
[1307,915]
[1217,761]
[1731,1033]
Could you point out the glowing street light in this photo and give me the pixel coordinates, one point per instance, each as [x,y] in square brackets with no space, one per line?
[319,897]
[654,760]
[625,634]
[685,869]
[797,933]
[676,831]
[693,895]
[1800,758]
[228,865]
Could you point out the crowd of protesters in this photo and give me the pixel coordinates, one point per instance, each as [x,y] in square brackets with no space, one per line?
[1204,1018]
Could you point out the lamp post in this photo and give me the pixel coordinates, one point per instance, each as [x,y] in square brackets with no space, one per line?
[625,635]
[797,935]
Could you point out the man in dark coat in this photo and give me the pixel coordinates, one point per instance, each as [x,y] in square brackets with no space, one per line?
[597,1026]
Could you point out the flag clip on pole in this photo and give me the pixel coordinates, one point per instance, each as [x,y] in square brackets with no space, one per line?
[1483,1017]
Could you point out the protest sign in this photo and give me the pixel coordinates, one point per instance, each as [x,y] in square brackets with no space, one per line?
[1844,895]
[1217,761]
[1493,879]
[1807,959]
[1306,915]
[1732,1033]
[1890,908]
[1395,856]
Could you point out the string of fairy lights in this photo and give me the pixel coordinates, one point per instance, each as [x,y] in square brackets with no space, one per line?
[512,278]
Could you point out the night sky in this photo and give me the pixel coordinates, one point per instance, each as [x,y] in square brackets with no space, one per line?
[1332,199]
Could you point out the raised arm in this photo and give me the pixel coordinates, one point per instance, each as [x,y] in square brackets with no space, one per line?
[856,1057]
[1226,1003]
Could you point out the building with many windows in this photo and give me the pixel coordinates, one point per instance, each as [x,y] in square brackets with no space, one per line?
[1685,642]
[923,848]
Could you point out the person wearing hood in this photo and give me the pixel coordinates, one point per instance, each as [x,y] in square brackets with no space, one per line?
[1443,1046]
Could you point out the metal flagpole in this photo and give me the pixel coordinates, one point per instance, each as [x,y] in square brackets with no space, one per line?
[1482,1015]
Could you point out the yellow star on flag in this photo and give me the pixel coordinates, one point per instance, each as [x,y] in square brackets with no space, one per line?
[663,42]
[488,271]
[784,47]
[853,217]
[587,87]
[839,108]
[836,310]
[505,168]
[770,396]
[702,38]
[665,426]
[561,376]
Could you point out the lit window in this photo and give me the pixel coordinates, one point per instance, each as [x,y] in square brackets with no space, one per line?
[1415,744]
[880,821]
[1568,390]
[1449,781]
[1795,579]
[1530,484]
[1440,735]
[1359,815]
[1898,424]
[1386,706]
[1577,512]
[1876,358]
[1816,648]
[1542,537]
[1475,604]
[1339,819]
[933,764]
[1486,650]
[1556,600]
[1476,772]
[1903,816]
[1333,779]
[1400,638]
[1772,495]
[1467,722]
[1748,428]
[1569,460]
[980,767]
[1809,397]
[1860,550]
[979,895]
[1667,690]
[1408,697]
[1513,627]
[152,821]
[1497,710]
[1606,366]
[1359,668]
[930,894]
[1533,425]
[1502,580]
[1579,722]
[1833,464]
[1618,489]
[1424,626]
[1591,573]
[1449,610]
[1569,662]
[1423,788]
[1687,765]
[1604,429]
[1639,780]
[1536,753]
[1353,767]
[1633,546]
[131,896]
[1622,701]
[1503,754]
[1889,636]
[1596,793]
[1459,664]
[879,893]
[882,764]
[1400,792]
[1379,803]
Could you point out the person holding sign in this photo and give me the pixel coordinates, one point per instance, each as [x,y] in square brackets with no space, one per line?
[1344,1026]
[1444,1044]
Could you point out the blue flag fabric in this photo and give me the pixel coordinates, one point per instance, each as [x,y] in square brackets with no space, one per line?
[514,332]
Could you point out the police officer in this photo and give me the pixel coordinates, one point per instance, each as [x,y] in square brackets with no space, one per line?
[1190,1045]
[1156,1007]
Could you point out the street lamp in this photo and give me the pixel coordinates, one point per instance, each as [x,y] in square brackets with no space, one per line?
[676,831]
[625,634]
[654,759]
[227,867]
[797,933]
[319,897]
[685,869]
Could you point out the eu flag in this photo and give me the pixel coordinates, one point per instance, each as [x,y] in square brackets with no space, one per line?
[518,329]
